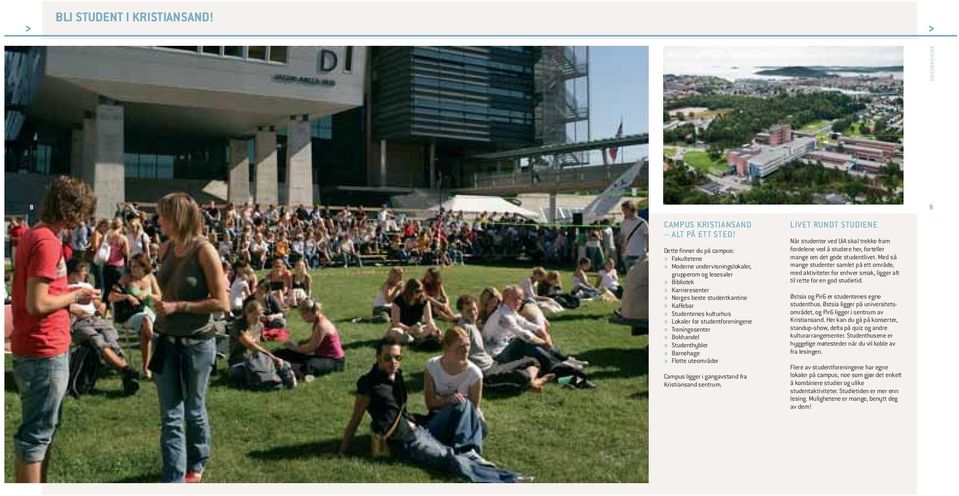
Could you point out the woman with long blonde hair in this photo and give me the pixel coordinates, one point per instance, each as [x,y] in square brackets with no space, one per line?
[194,287]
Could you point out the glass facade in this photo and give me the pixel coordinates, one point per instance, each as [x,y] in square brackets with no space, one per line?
[273,54]
[454,94]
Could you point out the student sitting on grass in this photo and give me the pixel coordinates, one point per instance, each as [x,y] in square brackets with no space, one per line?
[86,326]
[608,279]
[509,336]
[382,393]
[242,286]
[248,358]
[511,377]
[301,284]
[553,287]
[581,286]
[439,301]
[279,281]
[453,388]
[382,303]
[273,310]
[489,301]
[529,285]
[411,318]
[319,354]
[133,298]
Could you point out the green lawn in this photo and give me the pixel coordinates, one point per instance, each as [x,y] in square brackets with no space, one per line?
[669,151]
[814,126]
[856,130]
[701,161]
[597,435]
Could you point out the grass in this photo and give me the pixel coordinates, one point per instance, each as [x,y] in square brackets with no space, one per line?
[857,130]
[701,161]
[597,435]
[814,126]
[669,151]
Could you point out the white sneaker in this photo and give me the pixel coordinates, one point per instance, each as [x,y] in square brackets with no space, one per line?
[309,378]
[577,361]
[474,456]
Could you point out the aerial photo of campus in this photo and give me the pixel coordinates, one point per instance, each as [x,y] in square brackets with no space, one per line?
[783,125]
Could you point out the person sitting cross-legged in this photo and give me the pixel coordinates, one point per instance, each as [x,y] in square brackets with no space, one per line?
[411,317]
[247,356]
[382,393]
[319,354]
[86,325]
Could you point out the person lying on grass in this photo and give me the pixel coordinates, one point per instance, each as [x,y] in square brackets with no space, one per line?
[382,393]
[510,377]
[508,335]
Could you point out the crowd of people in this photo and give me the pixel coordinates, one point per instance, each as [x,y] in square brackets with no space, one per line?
[321,237]
[170,278]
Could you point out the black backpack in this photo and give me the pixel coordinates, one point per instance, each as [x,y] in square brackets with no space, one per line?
[84,370]
[261,373]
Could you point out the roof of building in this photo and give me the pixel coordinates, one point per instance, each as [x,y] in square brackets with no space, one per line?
[783,150]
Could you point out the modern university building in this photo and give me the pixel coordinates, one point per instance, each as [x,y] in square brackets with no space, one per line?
[277,124]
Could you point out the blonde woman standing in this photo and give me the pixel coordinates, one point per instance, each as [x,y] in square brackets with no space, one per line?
[194,287]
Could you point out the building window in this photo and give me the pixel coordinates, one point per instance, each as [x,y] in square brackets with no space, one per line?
[164,169]
[348,62]
[279,54]
[148,166]
[213,50]
[43,158]
[322,128]
[183,48]
[256,52]
[233,51]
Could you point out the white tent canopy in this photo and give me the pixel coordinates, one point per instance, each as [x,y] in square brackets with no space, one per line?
[477,204]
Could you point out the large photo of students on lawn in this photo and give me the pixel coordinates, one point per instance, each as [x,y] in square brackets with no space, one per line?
[272,264]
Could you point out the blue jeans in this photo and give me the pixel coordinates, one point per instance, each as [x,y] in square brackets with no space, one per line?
[517,348]
[458,426]
[181,387]
[424,449]
[347,257]
[42,383]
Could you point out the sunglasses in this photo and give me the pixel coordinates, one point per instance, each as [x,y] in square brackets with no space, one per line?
[390,358]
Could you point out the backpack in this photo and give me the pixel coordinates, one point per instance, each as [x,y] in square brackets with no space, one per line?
[261,373]
[84,370]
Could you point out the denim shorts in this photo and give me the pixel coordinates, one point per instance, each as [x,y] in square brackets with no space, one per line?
[42,383]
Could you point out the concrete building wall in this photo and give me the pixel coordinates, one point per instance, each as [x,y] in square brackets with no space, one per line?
[174,77]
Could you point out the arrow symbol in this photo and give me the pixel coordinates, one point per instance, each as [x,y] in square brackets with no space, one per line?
[931,28]
[28,29]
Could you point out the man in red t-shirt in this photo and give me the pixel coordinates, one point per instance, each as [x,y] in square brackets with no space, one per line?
[41,323]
